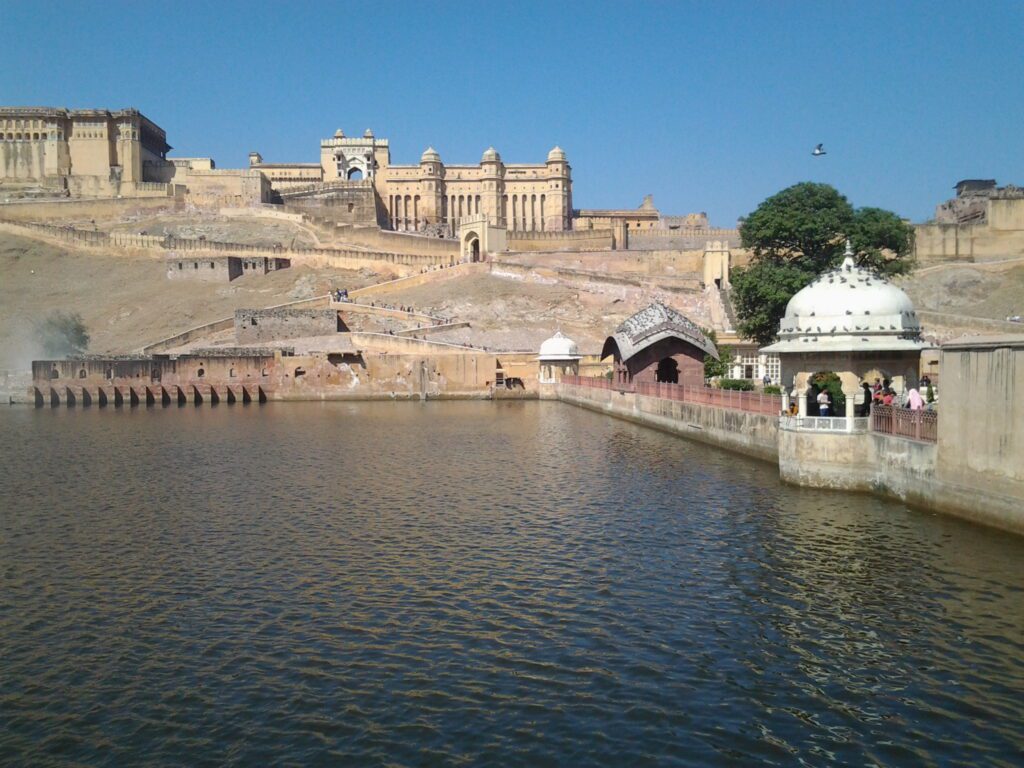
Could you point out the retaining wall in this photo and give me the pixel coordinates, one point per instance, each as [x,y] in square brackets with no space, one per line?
[752,434]
[36,210]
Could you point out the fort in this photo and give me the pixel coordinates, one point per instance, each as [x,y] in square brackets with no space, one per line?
[378,282]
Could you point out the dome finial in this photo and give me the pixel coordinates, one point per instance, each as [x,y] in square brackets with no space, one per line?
[848,262]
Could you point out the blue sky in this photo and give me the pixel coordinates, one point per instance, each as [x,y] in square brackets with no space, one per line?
[707,106]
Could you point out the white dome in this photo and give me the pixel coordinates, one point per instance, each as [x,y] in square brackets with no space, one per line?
[430,156]
[848,308]
[490,156]
[559,347]
[556,155]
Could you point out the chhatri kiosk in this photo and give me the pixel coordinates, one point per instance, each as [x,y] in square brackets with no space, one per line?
[854,323]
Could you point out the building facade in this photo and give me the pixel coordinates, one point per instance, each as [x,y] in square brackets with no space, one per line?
[432,196]
[81,152]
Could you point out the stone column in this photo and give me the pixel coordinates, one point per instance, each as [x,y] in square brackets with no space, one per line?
[785,401]
[802,404]
[851,411]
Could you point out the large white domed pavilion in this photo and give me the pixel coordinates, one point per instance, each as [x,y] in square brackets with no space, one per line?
[853,322]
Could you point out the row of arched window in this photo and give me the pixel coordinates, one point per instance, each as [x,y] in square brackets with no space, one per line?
[27,136]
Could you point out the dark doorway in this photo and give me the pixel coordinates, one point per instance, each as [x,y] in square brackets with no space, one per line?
[668,371]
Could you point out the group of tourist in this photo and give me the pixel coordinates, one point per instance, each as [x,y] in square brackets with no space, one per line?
[880,392]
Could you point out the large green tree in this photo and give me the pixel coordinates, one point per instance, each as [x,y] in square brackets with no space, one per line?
[796,235]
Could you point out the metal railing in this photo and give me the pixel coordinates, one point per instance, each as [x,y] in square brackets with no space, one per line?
[903,422]
[752,402]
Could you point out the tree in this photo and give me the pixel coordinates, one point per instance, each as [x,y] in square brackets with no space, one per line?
[760,293]
[799,233]
[63,333]
[719,367]
[805,223]
[882,241]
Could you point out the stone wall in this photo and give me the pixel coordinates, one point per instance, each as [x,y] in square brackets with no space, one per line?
[48,210]
[210,269]
[340,202]
[751,434]
[681,239]
[253,326]
[569,240]
[981,417]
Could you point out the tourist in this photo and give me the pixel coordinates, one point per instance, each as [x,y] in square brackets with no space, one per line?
[914,400]
[877,389]
[767,380]
[823,404]
[865,407]
[793,408]
[888,396]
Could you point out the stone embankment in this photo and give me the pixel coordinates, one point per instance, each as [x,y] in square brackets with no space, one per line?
[744,431]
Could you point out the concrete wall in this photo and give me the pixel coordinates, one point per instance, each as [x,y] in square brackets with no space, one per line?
[751,434]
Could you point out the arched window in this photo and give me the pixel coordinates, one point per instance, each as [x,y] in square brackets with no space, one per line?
[201,372]
[354,174]
[81,374]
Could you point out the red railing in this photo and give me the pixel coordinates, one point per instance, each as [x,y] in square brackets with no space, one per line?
[753,402]
[903,422]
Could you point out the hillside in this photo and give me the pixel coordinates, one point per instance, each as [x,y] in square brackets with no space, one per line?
[127,301]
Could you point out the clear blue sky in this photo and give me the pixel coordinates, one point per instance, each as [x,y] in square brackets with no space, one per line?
[707,106]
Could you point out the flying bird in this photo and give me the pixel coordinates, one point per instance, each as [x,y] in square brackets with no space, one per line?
[818,151]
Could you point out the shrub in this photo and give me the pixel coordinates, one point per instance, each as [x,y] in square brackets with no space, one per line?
[738,384]
[773,389]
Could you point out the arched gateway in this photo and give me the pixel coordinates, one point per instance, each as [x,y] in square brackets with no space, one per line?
[659,344]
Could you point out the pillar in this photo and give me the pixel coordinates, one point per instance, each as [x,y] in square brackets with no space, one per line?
[851,408]
[802,403]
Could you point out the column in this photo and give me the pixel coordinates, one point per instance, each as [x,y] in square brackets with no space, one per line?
[851,408]
[802,404]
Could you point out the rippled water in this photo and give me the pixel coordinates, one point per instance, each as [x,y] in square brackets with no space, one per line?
[478,584]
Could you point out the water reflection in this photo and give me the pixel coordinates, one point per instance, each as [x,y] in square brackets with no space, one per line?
[514,583]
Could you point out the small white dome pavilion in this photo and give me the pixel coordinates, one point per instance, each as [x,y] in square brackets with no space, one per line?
[853,322]
[558,356]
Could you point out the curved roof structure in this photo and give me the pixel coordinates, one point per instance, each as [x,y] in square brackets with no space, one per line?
[849,309]
[651,325]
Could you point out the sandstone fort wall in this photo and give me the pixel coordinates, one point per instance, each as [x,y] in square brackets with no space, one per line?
[253,326]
